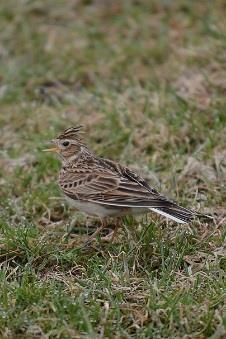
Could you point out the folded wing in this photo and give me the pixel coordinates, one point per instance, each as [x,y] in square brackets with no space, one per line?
[131,191]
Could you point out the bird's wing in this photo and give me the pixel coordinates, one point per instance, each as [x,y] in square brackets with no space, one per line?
[84,184]
[108,183]
[122,189]
[107,187]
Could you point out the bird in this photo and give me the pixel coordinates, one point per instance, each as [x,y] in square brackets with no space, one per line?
[104,188]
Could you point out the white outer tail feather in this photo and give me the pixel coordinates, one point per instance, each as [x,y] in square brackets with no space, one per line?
[167,215]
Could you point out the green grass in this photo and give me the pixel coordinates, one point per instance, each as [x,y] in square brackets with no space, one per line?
[147,80]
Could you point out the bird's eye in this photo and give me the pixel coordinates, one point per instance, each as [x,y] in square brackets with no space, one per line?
[65,143]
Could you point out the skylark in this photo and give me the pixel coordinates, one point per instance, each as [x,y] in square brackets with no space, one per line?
[104,188]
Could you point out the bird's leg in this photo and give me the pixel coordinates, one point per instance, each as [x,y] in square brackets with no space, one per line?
[118,224]
[110,237]
[99,229]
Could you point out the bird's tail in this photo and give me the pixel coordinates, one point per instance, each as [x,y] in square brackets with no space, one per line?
[177,213]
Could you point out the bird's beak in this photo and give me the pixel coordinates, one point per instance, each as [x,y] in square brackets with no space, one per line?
[54,149]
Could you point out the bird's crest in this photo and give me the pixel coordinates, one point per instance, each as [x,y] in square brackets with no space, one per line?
[71,133]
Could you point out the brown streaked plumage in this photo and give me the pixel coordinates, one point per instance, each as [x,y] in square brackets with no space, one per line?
[104,188]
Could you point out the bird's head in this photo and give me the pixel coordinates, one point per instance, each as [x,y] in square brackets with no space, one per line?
[68,144]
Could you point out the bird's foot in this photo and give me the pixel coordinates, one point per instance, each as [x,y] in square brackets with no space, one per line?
[108,237]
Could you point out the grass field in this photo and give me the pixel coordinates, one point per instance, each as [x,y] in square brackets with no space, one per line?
[147,79]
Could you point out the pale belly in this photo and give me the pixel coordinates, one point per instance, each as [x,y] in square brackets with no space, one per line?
[103,211]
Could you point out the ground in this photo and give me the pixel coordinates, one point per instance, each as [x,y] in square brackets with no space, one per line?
[147,79]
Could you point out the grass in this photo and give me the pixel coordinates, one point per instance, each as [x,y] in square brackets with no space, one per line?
[147,80]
